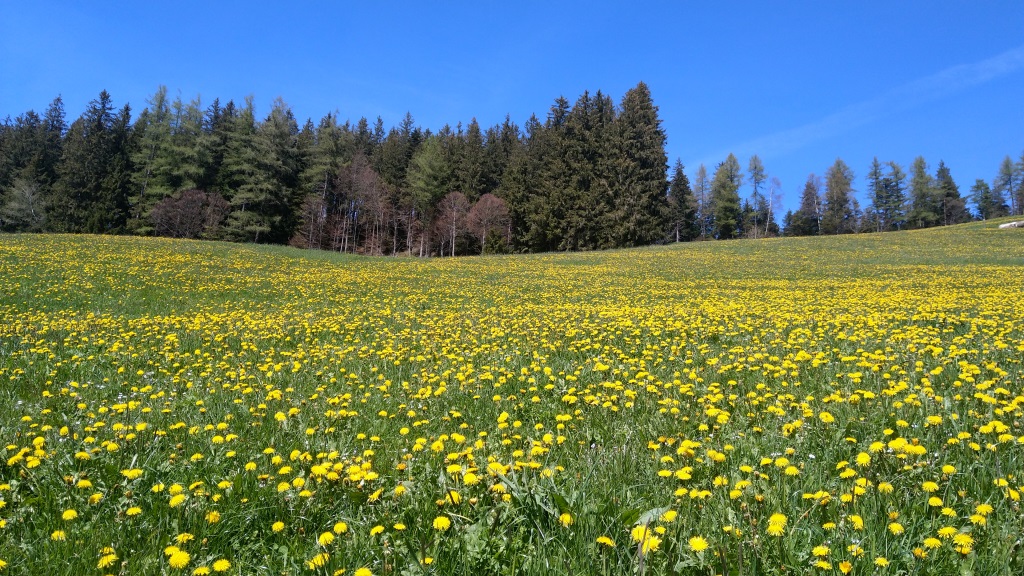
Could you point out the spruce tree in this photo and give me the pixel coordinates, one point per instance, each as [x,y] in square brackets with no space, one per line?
[640,197]
[988,202]
[91,193]
[925,201]
[806,221]
[683,224]
[953,207]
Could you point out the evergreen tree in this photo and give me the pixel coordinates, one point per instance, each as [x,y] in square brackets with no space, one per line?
[876,193]
[894,186]
[473,177]
[579,169]
[1008,184]
[521,188]
[925,201]
[427,185]
[806,221]
[725,199]
[954,208]
[888,196]
[682,206]
[837,216]
[988,202]
[641,209]
[247,177]
[91,193]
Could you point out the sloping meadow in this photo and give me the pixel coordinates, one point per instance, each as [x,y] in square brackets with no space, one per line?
[818,405]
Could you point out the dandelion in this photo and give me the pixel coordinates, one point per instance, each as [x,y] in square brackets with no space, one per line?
[222,565]
[106,561]
[339,528]
[318,561]
[277,526]
[325,539]
[606,541]
[776,524]
[442,523]
[69,515]
[639,532]
[179,559]
[698,544]
[896,528]
[58,536]
[363,572]
[820,551]
[881,561]
[565,519]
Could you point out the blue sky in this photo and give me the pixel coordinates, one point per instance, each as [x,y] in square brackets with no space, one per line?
[799,83]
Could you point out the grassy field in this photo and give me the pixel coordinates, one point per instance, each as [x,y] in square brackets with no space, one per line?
[846,405]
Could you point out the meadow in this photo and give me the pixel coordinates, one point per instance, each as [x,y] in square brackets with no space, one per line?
[841,405]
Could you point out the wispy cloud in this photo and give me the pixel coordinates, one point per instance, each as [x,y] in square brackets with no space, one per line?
[904,97]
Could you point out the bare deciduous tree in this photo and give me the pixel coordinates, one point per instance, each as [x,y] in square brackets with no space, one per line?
[489,214]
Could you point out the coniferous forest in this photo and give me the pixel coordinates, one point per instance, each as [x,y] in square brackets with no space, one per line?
[588,175]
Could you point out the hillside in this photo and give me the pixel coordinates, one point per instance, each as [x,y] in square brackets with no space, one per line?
[804,405]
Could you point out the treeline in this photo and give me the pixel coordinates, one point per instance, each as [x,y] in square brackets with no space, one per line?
[900,201]
[591,175]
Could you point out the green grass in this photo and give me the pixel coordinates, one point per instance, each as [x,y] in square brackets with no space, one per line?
[609,386]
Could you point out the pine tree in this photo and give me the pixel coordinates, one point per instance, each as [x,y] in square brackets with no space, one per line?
[641,209]
[806,221]
[682,206]
[521,189]
[988,202]
[725,199]
[473,177]
[954,208]
[91,193]
[888,196]
[837,216]
[925,201]
[894,186]
[876,193]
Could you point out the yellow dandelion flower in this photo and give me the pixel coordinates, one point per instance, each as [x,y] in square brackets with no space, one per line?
[698,544]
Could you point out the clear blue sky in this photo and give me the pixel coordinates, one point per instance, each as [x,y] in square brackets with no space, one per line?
[799,83]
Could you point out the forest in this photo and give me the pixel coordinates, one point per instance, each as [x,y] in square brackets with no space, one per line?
[590,175]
